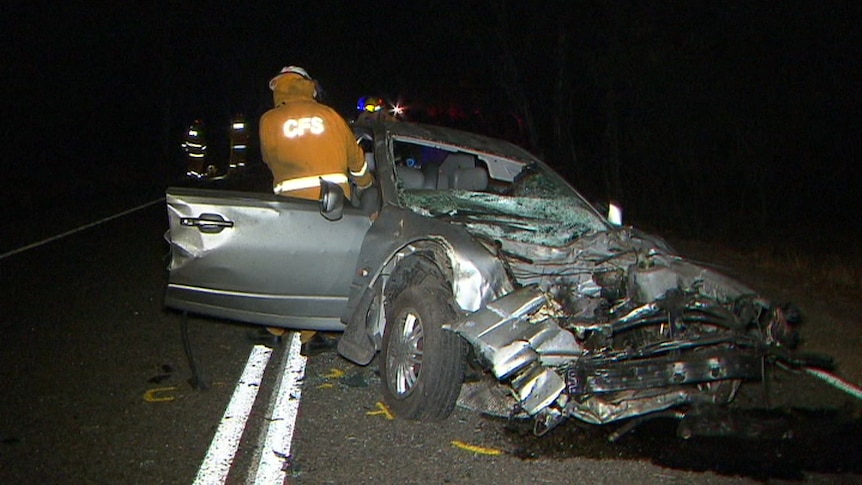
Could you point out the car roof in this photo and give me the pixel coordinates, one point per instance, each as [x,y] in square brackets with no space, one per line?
[456,138]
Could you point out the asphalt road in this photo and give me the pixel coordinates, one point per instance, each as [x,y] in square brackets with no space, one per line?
[96,390]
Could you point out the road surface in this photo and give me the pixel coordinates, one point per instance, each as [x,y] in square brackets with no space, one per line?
[96,389]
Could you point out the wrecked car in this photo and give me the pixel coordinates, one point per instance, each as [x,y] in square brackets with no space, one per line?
[470,256]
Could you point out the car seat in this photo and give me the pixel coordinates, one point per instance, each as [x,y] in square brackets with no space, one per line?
[430,171]
[410,178]
[474,179]
[452,162]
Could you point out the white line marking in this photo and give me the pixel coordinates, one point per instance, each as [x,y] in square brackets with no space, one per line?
[219,457]
[79,229]
[836,381]
[275,451]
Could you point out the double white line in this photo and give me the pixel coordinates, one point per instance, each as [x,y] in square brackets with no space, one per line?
[274,450]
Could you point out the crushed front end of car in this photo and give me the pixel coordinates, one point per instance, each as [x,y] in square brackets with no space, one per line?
[607,324]
[616,326]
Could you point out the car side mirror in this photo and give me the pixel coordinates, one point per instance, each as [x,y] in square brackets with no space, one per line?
[331,200]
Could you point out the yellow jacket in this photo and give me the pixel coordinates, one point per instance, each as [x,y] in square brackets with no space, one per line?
[302,140]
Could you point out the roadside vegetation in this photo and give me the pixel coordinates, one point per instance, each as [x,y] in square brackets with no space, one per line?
[824,270]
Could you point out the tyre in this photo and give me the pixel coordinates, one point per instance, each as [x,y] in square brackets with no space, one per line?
[421,365]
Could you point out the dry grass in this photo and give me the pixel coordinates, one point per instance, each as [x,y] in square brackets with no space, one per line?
[822,268]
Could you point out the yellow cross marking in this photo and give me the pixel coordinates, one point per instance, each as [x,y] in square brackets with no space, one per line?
[334,374]
[476,449]
[383,410]
[152,395]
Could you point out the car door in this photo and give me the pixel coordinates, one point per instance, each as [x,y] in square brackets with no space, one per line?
[261,258]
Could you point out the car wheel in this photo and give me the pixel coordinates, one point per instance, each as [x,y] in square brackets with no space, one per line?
[421,365]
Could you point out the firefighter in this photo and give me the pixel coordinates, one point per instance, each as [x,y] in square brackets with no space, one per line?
[370,104]
[373,108]
[238,143]
[302,140]
[195,146]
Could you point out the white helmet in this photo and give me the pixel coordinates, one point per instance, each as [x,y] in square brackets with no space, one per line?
[289,70]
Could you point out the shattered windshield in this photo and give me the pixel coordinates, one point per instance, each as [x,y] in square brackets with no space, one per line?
[536,207]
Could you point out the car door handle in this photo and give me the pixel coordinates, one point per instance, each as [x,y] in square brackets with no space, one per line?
[207,223]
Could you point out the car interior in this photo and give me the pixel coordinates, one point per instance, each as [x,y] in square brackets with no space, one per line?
[458,171]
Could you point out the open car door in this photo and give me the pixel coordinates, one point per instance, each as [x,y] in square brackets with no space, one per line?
[261,258]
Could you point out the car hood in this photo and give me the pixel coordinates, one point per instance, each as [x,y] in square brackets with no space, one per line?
[553,241]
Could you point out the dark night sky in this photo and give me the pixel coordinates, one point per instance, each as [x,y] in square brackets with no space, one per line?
[91,90]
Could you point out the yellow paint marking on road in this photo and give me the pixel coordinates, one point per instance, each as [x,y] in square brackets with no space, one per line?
[481,450]
[157,394]
[382,410]
[334,374]
[326,385]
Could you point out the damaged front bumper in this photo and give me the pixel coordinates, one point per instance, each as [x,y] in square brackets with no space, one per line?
[555,368]
[511,334]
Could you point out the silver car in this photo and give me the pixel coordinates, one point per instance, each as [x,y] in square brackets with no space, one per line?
[471,256]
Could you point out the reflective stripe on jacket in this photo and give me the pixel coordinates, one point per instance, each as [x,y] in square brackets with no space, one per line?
[308,182]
